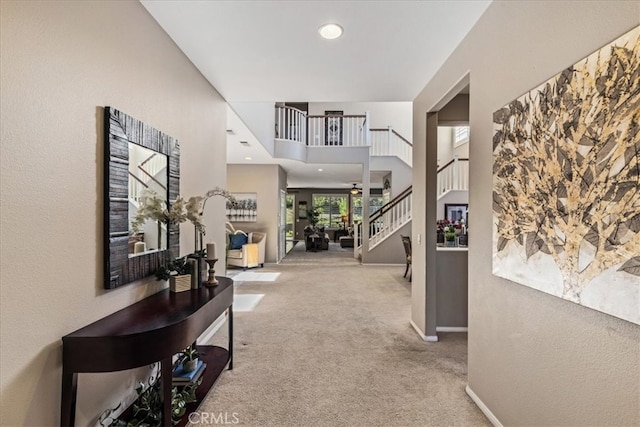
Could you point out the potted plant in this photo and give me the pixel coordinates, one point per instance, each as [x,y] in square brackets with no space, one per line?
[450,235]
[314,216]
[178,272]
[147,410]
[189,358]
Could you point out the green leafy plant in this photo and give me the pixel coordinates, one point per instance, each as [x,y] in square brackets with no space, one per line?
[147,410]
[450,233]
[188,354]
[175,267]
[314,216]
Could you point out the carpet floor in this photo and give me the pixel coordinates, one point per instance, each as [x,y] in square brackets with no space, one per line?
[330,344]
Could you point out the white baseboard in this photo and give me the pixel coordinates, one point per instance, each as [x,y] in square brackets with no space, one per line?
[485,410]
[452,329]
[375,264]
[427,338]
[211,331]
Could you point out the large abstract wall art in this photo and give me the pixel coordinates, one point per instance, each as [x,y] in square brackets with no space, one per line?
[566,183]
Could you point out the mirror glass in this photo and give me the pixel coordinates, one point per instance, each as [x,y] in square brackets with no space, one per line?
[148,176]
[138,160]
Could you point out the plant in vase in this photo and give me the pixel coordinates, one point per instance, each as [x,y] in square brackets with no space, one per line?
[188,358]
[178,271]
[194,209]
[147,410]
[314,216]
[450,235]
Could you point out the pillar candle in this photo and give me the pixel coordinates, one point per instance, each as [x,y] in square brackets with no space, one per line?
[211,251]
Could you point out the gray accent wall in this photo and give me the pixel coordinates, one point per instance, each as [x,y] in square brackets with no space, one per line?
[534,359]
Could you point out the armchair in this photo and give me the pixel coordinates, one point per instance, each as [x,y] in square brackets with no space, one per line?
[250,254]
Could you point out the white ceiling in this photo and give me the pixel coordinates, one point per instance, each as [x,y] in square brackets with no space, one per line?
[268,51]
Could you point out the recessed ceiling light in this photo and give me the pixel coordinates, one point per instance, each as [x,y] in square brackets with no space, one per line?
[319,170]
[248,158]
[330,31]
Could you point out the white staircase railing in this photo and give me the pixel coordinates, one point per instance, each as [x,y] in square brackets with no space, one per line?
[388,142]
[453,176]
[136,187]
[147,177]
[390,218]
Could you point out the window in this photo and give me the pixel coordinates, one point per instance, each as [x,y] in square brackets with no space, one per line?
[375,203]
[460,135]
[332,208]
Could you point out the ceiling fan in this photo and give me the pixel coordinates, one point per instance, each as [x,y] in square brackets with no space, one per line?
[355,190]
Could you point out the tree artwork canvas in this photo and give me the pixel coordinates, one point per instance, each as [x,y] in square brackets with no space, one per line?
[566,183]
[244,208]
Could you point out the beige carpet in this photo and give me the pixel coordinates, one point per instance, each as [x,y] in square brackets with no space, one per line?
[334,255]
[331,345]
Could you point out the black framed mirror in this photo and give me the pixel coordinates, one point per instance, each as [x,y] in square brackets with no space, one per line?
[132,146]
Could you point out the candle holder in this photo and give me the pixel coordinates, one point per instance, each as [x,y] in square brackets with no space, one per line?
[212,278]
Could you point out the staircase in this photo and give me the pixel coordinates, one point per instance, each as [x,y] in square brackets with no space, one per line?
[144,177]
[453,176]
[304,137]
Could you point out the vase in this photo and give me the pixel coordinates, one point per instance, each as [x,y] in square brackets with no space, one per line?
[180,283]
[190,365]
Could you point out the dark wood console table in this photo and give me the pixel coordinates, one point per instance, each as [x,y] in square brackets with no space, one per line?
[146,332]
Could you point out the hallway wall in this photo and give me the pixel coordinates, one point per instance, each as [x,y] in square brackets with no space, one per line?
[534,359]
[62,62]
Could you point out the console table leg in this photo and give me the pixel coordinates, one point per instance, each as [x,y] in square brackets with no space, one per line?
[68,403]
[166,378]
[231,337]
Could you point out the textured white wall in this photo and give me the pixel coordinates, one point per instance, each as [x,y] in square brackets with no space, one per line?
[61,63]
[534,359]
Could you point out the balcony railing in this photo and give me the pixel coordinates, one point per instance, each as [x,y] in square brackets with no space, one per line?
[291,124]
[388,142]
[322,131]
[453,176]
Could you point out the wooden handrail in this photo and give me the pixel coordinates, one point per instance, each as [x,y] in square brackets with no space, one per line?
[152,177]
[138,179]
[350,116]
[451,162]
[394,131]
[401,137]
[148,158]
[286,107]
[387,207]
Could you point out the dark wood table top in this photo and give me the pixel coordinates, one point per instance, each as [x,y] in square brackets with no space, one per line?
[147,331]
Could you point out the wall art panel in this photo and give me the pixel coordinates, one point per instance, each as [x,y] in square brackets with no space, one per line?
[566,177]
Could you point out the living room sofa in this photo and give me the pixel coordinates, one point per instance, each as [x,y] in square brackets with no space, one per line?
[316,239]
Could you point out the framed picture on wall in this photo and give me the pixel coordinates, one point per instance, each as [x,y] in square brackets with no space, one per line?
[245,209]
[302,210]
[333,128]
[456,212]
